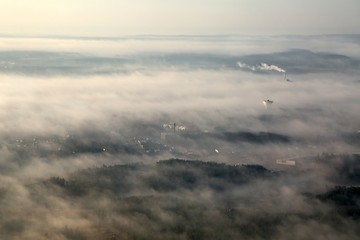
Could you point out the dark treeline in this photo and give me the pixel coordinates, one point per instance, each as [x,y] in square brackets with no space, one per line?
[186,199]
[166,176]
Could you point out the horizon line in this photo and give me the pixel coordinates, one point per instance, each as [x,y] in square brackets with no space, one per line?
[150,35]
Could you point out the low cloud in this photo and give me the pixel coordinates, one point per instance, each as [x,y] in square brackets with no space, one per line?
[81,135]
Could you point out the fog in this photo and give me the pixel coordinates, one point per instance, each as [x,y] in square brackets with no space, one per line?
[85,122]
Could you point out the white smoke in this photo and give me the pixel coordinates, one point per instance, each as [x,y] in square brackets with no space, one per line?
[261,67]
[245,66]
[266,67]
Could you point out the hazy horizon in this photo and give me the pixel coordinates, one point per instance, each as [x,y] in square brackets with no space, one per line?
[116,18]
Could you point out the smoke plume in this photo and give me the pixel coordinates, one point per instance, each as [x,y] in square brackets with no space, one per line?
[261,67]
[266,67]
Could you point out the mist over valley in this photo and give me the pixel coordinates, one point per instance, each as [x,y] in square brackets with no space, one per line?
[180,137]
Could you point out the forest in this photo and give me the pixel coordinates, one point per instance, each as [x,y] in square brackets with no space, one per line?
[190,199]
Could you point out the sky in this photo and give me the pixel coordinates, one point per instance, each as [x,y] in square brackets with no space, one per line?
[124,17]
